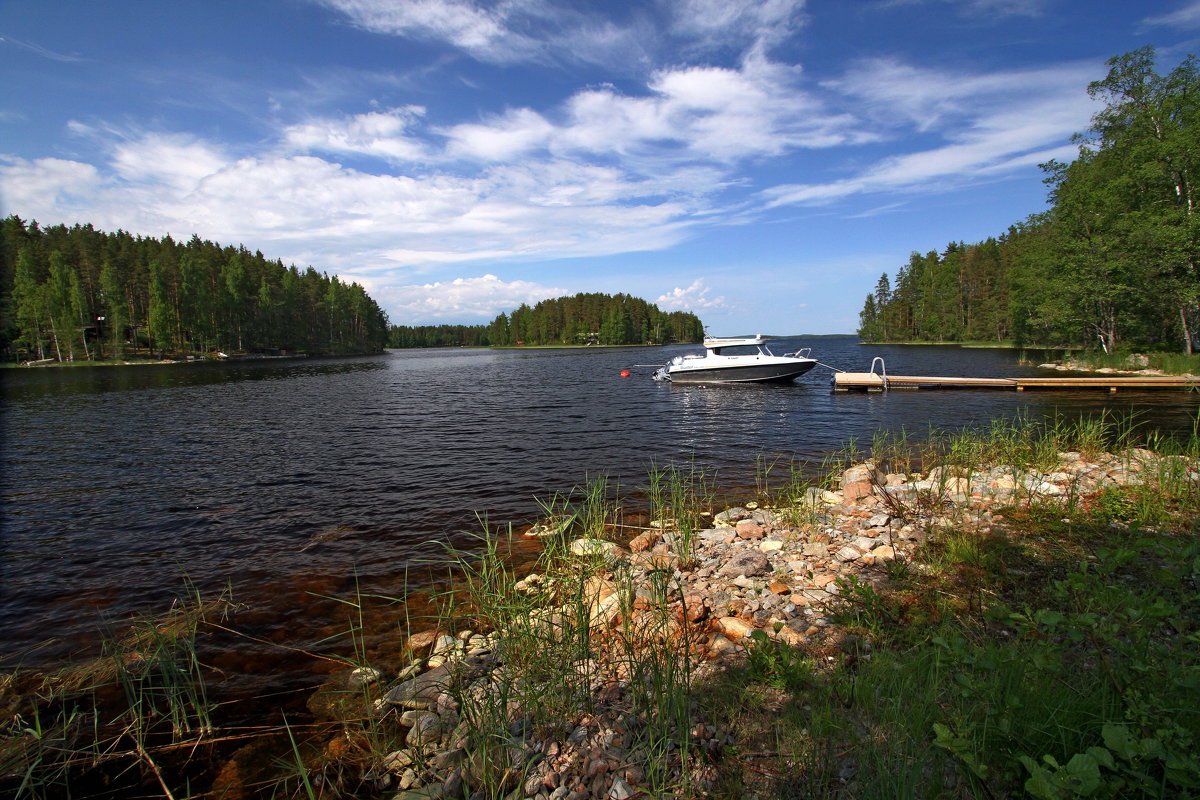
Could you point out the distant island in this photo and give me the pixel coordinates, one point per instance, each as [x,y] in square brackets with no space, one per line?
[580,320]
[1114,263]
[79,294]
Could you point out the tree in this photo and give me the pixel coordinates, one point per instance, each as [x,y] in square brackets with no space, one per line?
[29,301]
[112,288]
[1149,136]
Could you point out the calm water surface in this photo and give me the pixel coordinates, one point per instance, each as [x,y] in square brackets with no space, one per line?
[289,480]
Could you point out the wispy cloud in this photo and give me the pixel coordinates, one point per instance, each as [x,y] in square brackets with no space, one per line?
[41,51]
[1039,111]
[499,32]
[1185,17]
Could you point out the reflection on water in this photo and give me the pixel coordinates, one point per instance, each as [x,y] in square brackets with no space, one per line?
[273,475]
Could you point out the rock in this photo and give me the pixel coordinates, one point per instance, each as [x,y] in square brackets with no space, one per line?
[775,587]
[363,676]
[731,515]
[734,629]
[770,545]
[749,529]
[419,644]
[815,549]
[620,789]
[591,547]
[420,692]
[643,541]
[695,608]
[864,544]
[853,492]
[848,553]
[396,761]
[426,730]
[747,562]
[884,553]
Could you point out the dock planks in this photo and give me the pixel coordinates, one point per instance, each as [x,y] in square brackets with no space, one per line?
[869,381]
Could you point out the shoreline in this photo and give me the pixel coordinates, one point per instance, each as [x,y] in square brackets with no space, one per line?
[602,670]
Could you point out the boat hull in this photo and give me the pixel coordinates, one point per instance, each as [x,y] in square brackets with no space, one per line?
[742,373]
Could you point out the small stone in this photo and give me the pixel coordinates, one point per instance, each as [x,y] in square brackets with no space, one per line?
[848,553]
[453,785]
[749,563]
[748,529]
[396,761]
[363,676]
[620,790]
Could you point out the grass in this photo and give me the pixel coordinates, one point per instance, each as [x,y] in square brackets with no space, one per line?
[1054,653]
[1054,656]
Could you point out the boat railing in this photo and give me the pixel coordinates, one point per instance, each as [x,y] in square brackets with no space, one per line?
[803,352]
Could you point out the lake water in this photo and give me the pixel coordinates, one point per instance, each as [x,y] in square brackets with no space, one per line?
[293,481]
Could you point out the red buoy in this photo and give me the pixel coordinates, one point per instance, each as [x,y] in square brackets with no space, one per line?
[624,373]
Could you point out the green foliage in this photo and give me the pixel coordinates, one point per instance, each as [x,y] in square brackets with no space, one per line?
[777,664]
[1114,261]
[583,319]
[75,293]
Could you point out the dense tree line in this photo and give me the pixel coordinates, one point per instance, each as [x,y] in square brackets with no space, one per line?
[585,318]
[1112,263]
[438,336]
[79,293]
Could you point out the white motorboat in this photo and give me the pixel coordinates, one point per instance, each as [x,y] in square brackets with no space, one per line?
[739,359]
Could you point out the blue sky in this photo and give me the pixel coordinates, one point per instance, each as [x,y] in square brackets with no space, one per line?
[759,163]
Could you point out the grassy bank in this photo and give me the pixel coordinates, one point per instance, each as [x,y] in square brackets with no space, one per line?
[1166,363]
[1041,645]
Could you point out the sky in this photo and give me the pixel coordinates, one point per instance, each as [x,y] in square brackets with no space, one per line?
[759,163]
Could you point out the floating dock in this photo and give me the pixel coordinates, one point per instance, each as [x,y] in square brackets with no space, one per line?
[872,382]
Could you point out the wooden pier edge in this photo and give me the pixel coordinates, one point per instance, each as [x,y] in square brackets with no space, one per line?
[872,382]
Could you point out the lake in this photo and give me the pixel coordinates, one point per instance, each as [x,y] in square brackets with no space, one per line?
[295,481]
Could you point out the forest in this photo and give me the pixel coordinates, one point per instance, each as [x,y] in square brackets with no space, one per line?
[582,319]
[1111,264]
[76,293]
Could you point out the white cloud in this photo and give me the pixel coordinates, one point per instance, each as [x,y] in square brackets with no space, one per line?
[694,298]
[517,132]
[1186,17]
[53,184]
[383,134]
[715,114]
[305,206]
[481,297]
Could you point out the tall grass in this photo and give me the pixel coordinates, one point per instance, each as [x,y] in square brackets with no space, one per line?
[108,720]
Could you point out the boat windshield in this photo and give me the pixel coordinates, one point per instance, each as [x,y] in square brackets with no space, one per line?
[737,350]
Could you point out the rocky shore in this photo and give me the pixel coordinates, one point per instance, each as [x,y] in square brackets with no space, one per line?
[1135,364]
[706,596]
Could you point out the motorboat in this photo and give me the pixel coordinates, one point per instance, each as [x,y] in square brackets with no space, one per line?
[736,359]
